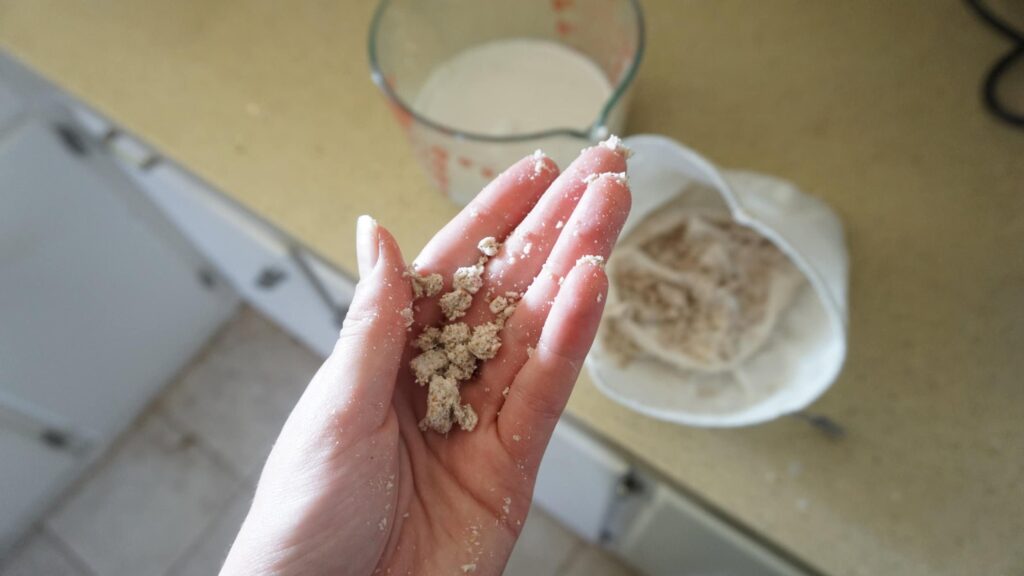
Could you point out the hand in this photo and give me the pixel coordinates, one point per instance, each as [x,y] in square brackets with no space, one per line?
[353,486]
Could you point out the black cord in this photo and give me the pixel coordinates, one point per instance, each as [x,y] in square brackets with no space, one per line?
[990,88]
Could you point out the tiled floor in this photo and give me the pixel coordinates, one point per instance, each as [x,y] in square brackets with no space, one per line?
[169,497]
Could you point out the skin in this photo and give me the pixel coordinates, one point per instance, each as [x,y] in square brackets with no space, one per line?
[353,486]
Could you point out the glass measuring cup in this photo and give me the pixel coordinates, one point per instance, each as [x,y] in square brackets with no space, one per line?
[410,38]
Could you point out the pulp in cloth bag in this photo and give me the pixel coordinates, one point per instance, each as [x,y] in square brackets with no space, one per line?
[801,356]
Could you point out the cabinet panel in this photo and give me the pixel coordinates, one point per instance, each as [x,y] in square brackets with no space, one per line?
[672,535]
[31,475]
[578,480]
[259,262]
[100,300]
[10,105]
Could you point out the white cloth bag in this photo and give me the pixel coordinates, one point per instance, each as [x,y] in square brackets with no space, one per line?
[808,345]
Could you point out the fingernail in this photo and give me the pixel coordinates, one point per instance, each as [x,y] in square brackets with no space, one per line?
[367,244]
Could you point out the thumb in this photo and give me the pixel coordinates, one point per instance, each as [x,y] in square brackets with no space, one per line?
[357,380]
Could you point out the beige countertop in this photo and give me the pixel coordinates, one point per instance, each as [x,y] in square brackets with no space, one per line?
[872,105]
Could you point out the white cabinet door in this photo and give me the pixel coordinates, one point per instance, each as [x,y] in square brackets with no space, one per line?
[32,474]
[11,105]
[299,291]
[37,458]
[673,535]
[579,480]
[100,298]
[263,266]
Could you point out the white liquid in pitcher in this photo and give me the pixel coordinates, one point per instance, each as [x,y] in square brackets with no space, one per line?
[515,86]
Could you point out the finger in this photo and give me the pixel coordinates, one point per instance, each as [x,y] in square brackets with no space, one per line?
[524,252]
[540,391]
[591,230]
[496,211]
[528,247]
[357,380]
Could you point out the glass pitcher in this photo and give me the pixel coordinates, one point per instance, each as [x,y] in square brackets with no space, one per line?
[410,38]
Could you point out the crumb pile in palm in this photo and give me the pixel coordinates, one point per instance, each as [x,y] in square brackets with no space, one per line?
[450,353]
[696,291]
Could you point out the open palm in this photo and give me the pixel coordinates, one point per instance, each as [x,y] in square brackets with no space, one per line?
[353,486]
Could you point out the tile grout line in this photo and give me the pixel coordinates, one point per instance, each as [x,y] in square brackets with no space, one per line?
[155,409]
[67,551]
[201,442]
[223,338]
[240,487]
[154,413]
[577,550]
[20,545]
[95,466]
[241,482]
[244,481]
[102,460]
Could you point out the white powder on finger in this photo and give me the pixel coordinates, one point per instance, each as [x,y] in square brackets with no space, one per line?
[407,317]
[539,166]
[591,259]
[615,144]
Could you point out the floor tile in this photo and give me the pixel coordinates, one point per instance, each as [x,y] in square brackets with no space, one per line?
[543,547]
[207,555]
[592,561]
[42,555]
[145,505]
[237,395]
[164,505]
